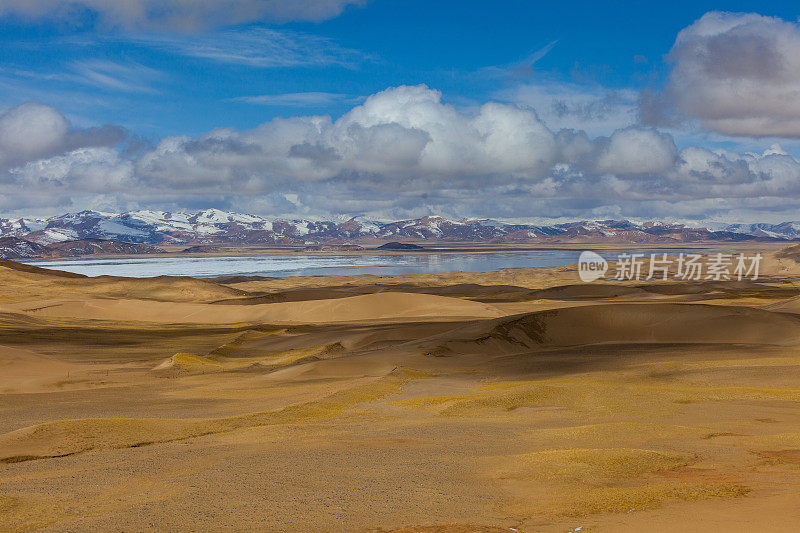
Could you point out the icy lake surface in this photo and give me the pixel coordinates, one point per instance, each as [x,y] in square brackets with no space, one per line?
[317,265]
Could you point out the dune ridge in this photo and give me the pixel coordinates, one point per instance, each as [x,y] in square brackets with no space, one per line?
[625,323]
[467,402]
[370,307]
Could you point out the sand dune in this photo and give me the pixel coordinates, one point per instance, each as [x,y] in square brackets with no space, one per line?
[789,305]
[25,282]
[368,307]
[628,323]
[9,265]
[609,406]
[728,288]
[24,371]
[587,291]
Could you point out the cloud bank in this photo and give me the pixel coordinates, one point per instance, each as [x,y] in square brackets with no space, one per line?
[176,15]
[403,152]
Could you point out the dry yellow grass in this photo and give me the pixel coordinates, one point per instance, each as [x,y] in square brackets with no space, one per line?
[725,363]
[7,503]
[583,502]
[189,363]
[511,396]
[68,437]
[618,434]
[284,357]
[27,513]
[788,440]
[612,396]
[233,348]
[591,465]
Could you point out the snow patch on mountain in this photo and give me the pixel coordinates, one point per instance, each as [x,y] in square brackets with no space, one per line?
[214,226]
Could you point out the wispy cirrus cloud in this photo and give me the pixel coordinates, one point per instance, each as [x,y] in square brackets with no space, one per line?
[127,77]
[257,47]
[305,99]
[523,68]
[103,74]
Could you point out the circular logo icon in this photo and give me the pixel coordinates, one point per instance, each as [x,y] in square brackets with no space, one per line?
[591,266]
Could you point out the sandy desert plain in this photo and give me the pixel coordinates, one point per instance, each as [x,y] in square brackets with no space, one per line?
[516,400]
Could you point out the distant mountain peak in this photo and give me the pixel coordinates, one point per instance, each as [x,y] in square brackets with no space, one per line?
[215,226]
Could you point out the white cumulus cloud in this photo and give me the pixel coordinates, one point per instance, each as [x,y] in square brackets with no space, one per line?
[403,131]
[404,152]
[637,151]
[738,74]
[29,131]
[33,131]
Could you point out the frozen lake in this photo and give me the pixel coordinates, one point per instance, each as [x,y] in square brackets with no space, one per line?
[317,265]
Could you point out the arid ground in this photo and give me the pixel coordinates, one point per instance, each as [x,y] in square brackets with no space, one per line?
[515,400]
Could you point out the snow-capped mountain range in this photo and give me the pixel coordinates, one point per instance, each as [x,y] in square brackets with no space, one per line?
[212,226]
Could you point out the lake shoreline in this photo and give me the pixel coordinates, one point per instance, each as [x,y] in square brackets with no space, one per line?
[374,263]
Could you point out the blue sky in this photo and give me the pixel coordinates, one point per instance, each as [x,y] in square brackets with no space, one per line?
[444,44]
[187,92]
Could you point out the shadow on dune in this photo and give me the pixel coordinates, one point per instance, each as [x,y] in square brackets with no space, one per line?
[663,323]
[513,293]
